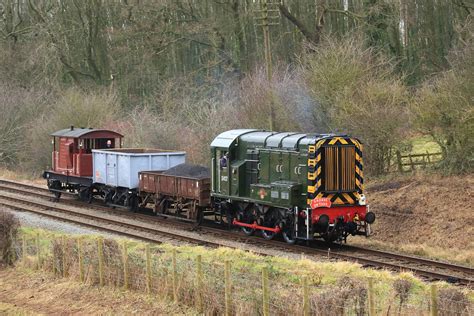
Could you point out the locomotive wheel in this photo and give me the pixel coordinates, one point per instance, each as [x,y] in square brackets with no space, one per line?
[271,219]
[288,237]
[247,231]
[330,238]
[268,235]
[225,218]
[249,216]
[288,230]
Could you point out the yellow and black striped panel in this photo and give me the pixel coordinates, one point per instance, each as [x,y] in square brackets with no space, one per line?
[348,179]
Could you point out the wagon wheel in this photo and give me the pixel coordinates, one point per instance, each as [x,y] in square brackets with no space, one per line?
[195,212]
[133,203]
[57,196]
[55,185]
[163,206]
[85,194]
[200,216]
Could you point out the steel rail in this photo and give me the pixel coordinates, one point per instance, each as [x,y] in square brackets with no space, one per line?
[405,262]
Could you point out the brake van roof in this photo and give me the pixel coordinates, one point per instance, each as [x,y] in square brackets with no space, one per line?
[86,133]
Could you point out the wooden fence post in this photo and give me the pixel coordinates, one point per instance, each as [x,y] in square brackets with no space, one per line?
[148,269]
[79,258]
[38,252]
[125,265]
[266,297]
[434,300]
[23,250]
[228,289]
[399,161]
[306,308]
[175,277]
[64,262]
[199,283]
[55,259]
[412,166]
[100,255]
[371,297]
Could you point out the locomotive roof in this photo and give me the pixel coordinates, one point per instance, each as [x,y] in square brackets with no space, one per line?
[225,139]
[74,132]
[268,139]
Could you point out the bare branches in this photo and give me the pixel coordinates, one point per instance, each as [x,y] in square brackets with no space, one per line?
[313,36]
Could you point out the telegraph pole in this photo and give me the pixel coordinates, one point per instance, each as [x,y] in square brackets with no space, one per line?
[270,15]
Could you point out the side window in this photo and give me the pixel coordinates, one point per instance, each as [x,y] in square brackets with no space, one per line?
[224,159]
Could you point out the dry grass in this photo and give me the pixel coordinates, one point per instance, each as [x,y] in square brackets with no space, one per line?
[335,287]
[423,214]
[20,176]
[32,293]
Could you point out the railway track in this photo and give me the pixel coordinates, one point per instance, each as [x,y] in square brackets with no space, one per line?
[23,197]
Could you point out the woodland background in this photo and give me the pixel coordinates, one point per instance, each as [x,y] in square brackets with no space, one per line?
[174,73]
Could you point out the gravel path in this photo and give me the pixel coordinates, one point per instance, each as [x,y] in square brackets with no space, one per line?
[38,221]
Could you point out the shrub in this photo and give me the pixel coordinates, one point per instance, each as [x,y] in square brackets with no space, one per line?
[18,106]
[283,98]
[444,109]
[359,94]
[9,226]
[453,302]
[402,289]
[73,107]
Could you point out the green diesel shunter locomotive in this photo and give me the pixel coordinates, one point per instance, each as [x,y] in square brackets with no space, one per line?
[301,185]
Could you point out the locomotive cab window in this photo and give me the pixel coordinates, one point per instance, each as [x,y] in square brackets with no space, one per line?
[339,168]
[224,160]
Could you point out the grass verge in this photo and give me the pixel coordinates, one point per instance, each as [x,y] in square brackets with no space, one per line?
[172,273]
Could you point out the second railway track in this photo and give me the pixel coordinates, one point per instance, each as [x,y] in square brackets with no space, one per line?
[23,197]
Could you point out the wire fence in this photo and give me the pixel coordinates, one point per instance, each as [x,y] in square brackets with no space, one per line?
[220,286]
